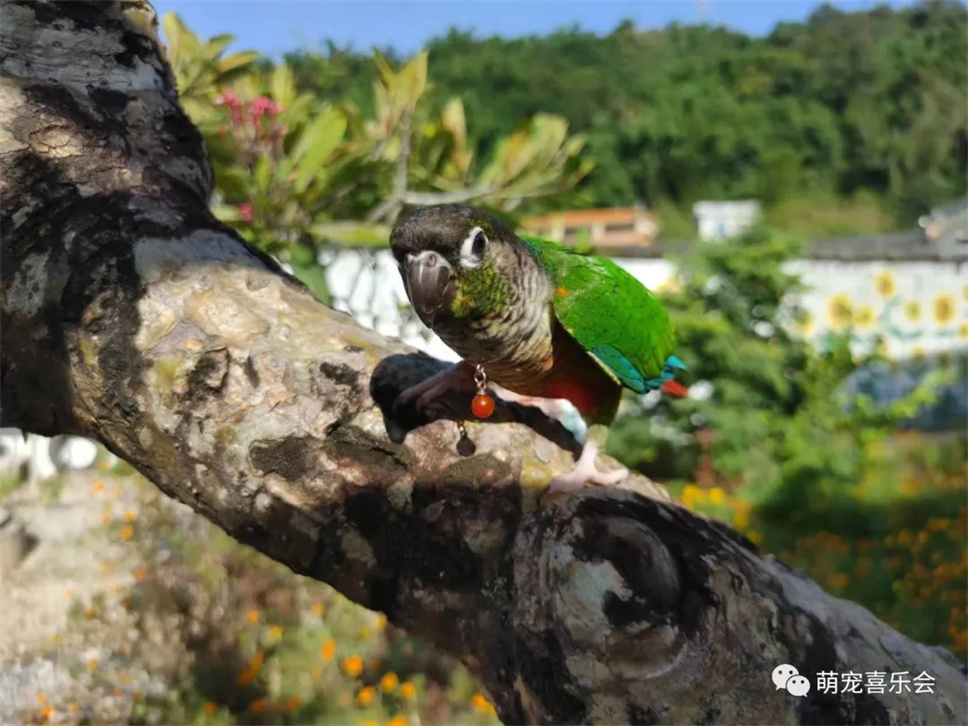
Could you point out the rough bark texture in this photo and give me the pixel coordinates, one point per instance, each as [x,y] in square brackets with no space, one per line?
[130,315]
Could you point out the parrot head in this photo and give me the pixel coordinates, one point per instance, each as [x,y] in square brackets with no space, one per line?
[456,261]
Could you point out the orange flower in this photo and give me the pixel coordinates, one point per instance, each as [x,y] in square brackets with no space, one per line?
[127,532]
[480,702]
[105,519]
[41,699]
[47,712]
[407,690]
[397,721]
[88,612]
[329,650]
[293,703]
[139,574]
[92,662]
[252,616]
[252,670]
[318,608]
[209,708]
[389,682]
[366,695]
[275,632]
[73,708]
[130,516]
[258,705]
[98,487]
[353,666]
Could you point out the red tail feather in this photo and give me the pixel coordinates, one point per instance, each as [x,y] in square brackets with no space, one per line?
[674,388]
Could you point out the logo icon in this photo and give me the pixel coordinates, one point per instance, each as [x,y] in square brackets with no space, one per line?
[788,678]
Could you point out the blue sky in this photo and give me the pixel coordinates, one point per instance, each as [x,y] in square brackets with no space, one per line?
[275,26]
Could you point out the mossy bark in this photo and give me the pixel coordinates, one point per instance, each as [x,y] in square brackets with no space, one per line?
[130,315]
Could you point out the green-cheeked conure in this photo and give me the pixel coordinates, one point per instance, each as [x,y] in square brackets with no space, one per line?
[543,321]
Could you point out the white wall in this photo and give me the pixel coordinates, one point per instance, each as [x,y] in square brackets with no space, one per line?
[368,286]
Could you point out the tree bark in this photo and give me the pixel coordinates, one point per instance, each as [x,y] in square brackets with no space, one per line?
[130,315]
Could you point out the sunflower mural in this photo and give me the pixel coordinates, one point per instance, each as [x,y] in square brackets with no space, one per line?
[840,311]
[944,308]
[885,284]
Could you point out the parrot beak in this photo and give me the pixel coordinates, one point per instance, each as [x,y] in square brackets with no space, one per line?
[427,278]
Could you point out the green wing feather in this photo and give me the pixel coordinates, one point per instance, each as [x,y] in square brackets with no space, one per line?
[613,316]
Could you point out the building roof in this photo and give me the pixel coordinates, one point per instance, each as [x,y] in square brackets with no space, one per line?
[580,217]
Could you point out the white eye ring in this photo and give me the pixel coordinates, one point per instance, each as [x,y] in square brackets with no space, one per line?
[468,258]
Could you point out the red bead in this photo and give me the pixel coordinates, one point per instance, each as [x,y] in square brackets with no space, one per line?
[482,406]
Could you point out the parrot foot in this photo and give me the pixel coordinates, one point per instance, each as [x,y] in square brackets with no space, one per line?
[585,472]
[459,378]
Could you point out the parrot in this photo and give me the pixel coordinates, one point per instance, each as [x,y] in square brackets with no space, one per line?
[541,320]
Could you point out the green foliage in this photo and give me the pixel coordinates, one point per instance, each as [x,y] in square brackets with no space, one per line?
[870,102]
[778,417]
[296,169]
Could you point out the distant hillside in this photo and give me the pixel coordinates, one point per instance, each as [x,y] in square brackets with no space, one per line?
[869,107]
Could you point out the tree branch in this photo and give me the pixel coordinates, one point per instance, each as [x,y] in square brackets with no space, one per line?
[129,314]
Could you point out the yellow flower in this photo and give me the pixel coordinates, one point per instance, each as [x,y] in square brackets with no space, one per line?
[318,608]
[963,331]
[804,323]
[366,695]
[275,633]
[370,723]
[884,284]
[717,495]
[130,516]
[389,682]
[918,352]
[912,310]
[329,650]
[407,690]
[865,316]
[353,666]
[944,308]
[840,311]
[964,292]
[127,532]
[381,621]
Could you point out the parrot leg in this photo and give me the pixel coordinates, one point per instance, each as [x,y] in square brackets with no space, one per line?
[459,378]
[585,471]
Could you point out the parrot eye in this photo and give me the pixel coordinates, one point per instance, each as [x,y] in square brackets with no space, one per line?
[477,246]
[472,248]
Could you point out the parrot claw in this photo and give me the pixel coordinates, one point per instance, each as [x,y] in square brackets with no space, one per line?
[585,472]
[459,378]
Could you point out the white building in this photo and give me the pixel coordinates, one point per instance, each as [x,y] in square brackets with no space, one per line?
[722,220]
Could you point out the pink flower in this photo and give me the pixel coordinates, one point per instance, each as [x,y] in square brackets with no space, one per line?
[228,98]
[263,105]
[245,211]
